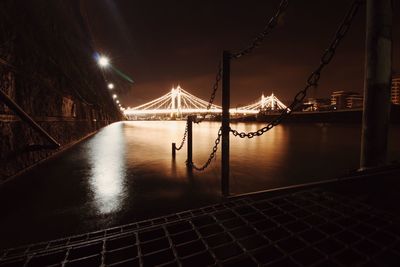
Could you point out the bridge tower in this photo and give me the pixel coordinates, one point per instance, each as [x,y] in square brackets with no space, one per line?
[176,101]
[179,98]
[273,102]
[263,102]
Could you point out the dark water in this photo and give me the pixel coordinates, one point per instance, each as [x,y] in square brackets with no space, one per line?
[126,173]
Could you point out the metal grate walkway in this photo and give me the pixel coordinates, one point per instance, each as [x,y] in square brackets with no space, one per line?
[308,228]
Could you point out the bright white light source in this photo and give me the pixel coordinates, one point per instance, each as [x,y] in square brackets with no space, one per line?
[117,101]
[114,96]
[110,86]
[103,61]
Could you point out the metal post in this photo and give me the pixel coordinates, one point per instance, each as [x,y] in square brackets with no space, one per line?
[189,142]
[173,150]
[377,86]
[226,58]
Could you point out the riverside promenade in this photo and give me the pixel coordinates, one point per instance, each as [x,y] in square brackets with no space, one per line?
[349,221]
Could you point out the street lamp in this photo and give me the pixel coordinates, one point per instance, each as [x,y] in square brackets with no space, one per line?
[103,61]
[114,96]
[117,101]
[110,86]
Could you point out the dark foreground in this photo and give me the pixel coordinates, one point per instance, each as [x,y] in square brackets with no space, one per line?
[347,222]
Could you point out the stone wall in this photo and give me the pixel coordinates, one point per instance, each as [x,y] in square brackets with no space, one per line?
[47,68]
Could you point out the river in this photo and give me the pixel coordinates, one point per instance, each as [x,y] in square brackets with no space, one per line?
[126,172]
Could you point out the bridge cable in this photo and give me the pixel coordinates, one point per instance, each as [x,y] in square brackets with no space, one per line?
[315,76]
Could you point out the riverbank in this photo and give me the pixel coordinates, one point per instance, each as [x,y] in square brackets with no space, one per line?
[336,116]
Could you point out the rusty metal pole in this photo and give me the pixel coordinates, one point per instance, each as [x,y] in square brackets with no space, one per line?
[377,84]
[226,61]
[189,160]
[173,150]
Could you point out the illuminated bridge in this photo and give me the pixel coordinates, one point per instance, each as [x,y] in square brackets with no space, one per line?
[179,102]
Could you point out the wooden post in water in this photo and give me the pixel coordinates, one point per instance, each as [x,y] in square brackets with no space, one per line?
[226,58]
[377,84]
[173,150]
[189,160]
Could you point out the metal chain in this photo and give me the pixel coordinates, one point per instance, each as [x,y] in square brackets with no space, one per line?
[315,76]
[215,88]
[184,137]
[272,23]
[215,85]
[212,155]
[214,91]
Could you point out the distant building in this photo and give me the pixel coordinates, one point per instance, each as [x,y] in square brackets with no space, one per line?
[313,104]
[346,99]
[395,95]
[354,101]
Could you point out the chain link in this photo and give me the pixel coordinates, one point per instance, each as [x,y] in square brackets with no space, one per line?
[195,120]
[314,77]
[212,155]
[215,86]
[214,91]
[212,97]
[184,137]
[257,41]
[272,23]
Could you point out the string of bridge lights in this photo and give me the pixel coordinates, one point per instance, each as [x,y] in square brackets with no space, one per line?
[104,62]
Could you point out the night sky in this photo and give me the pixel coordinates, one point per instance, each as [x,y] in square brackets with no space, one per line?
[161,44]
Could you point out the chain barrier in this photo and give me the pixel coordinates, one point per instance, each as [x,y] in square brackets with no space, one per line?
[212,155]
[315,76]
[184,137]
[212,97]
[257,41]
[272,23]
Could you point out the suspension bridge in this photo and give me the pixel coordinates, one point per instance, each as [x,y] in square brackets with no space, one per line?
[179,102]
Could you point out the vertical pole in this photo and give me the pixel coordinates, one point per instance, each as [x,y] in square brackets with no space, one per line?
[173,150]
[226,58]
[189,142]
[377,84]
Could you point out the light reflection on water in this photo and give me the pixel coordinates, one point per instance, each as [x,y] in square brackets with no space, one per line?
[106,157]
[136,157]
[125,173]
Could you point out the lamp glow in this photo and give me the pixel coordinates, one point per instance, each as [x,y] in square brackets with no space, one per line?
[110,86]
[103,61]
